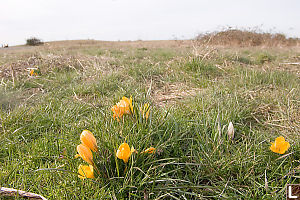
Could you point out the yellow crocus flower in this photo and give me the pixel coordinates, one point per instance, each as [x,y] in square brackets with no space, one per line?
[87,138]
[124,106]
[280,145]
[85,153]
[124,152]
[116,112]
[33,73]
[86,171]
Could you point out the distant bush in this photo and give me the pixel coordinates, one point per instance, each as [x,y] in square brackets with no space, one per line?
[34,41]
[235,37]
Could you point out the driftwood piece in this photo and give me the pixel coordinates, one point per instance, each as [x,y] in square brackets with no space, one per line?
[19,193]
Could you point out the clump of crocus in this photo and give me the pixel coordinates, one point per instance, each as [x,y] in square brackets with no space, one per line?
[145,111]
[230,131]
[88,139]
[124,106]
[280,145]
[88,144]
[150,150]
[124,152]
[86,171]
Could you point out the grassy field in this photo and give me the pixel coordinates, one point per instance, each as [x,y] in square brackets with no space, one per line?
[194,91]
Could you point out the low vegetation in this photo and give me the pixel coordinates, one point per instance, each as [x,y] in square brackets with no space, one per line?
[194,91]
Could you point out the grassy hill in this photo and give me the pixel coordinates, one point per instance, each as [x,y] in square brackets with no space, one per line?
[194,91]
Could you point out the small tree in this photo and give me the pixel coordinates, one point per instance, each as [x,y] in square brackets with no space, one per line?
[33,41]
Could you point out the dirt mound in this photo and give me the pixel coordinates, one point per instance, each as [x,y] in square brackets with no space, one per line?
[235,37]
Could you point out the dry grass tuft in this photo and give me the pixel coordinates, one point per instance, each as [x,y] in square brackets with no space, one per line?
[171,93]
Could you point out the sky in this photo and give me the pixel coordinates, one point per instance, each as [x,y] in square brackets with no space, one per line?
[114,20]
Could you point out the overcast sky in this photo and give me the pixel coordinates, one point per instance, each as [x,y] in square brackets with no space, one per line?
[141,19]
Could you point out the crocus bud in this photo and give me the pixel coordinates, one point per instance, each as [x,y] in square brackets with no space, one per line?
[145,110]
[85,153]
[87,138]
[230,131]
[86,171]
